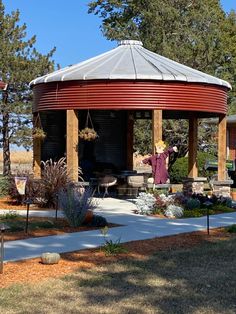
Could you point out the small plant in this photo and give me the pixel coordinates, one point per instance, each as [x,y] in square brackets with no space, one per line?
[10,216]
[231,229]
[173,211]
[75,204]
[111,247]
[145,203]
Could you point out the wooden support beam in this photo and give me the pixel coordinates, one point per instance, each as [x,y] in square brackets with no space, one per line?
[37,145]
[156,128]
[222,148]
[192,144]
[37,158]
[72,140]
[130,140]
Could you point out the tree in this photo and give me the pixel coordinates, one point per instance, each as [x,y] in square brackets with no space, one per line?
[20,62]
[198,34]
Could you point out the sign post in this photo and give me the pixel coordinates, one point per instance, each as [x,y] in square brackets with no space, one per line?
[3,227]
[21,185]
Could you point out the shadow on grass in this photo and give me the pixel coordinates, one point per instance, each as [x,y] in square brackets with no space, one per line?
[199,280]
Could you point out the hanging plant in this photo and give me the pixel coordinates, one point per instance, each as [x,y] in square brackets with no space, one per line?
[88,133]
[38,132]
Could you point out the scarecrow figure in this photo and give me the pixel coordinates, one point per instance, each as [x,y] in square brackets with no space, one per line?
[159,162]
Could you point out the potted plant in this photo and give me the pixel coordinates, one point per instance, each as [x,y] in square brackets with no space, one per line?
[233,194]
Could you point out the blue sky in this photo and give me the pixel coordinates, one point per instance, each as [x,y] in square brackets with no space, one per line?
[68,26]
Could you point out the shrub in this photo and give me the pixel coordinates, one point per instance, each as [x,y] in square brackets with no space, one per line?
[231,229]
[98,221]
[145,203]
[179,170]
[4,186]
[193,203]
[75,204]
[54,178]
[173,211]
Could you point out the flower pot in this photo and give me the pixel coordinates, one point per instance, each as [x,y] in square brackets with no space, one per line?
[88,217]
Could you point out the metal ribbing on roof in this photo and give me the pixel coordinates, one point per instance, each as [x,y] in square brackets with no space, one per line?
[130,61]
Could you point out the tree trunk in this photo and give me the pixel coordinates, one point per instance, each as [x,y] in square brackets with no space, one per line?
[5,137]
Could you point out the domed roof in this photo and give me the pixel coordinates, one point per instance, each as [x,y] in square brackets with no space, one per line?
[130,61]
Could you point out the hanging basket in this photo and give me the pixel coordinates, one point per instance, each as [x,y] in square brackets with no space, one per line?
[88,133]
[38,133]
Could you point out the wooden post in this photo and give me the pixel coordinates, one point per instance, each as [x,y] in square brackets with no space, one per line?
[156,128]
[37,144]
[192,144]
[130,140]
[222,148]
[37,158]
[72,130]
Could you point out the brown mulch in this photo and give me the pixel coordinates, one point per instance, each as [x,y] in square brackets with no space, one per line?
[20,272]
[62,228]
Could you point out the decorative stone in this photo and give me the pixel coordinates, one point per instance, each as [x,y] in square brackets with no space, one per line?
[222,188]
[50,258]
[194,185]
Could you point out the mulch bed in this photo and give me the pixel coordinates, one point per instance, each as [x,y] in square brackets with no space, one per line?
[63,228]
[20,272]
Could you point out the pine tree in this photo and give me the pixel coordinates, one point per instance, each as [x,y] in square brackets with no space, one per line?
[198,34]
[20,62]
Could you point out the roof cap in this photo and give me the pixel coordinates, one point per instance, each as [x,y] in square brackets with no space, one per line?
[130,42]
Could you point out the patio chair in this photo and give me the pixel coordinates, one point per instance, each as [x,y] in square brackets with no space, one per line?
[136,183]
[106,182]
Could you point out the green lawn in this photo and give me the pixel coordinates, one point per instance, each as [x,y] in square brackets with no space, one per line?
[192,281]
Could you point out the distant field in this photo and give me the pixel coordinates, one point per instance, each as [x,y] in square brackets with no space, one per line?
[20,161]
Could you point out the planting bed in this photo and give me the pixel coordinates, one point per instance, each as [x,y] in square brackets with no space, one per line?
[20,272]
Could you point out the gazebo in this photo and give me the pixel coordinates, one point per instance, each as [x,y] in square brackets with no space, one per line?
[115,86]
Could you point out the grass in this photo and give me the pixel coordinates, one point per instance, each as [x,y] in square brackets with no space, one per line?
[197,280]
[19,157]
[21,161]
[17,223]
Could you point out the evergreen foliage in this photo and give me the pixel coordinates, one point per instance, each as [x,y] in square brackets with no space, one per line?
[198,34]
[20,62]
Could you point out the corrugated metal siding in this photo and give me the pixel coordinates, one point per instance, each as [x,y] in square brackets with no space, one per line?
[110,147]
[54,145]
[130,95]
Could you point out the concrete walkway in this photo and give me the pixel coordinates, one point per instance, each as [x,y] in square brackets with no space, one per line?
[134,227]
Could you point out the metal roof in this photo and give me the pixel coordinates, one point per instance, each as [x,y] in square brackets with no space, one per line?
[130,61]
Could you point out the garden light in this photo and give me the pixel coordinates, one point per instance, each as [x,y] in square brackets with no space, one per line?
[3,227]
